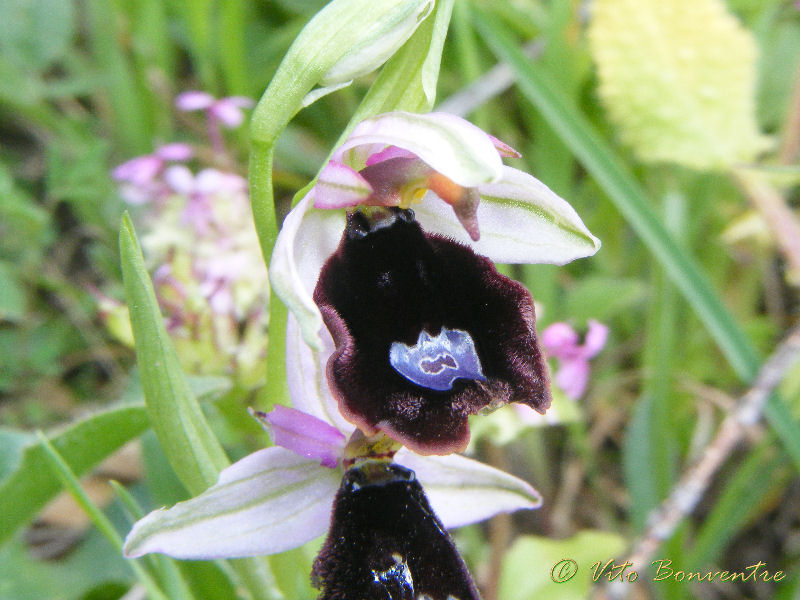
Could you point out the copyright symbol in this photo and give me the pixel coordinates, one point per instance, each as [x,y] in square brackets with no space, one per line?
[563,570]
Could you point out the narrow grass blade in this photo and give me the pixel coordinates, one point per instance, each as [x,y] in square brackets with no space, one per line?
[168,572]
[181,428]
[28,486]
[73,486]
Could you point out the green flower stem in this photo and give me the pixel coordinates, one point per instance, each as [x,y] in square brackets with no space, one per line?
[406,82]
[275,389]
[103,524]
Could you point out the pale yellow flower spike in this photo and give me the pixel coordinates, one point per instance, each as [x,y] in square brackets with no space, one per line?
[678,79]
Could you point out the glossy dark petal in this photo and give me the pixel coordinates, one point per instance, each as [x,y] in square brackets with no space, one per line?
[386,283]
[385,542]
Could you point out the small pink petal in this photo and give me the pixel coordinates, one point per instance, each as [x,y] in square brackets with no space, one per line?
[198,214]
[340,186]
[210,181]
[221,301]
[136,195]
[504,149]
[573,376]
[466,211]
[194,100]
[227,113]
[559,339]
[388,153]
[240,101]
[303,434]
[213,181]
[139,170]
[595,338]
[180,179]
[176,151]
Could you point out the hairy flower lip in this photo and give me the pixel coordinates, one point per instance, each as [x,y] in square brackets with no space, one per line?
[424,282]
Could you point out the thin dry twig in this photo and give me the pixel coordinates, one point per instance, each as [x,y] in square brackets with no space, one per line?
[790,145]
[780,219]
[500,530]
[688,491]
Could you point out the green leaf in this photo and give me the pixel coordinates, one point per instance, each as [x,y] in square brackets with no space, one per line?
[738,502]
[87,566]
[13,299]
[70,482]
[532,562]
[408,81]
[34,33]
[30,485]
[187,440]
[603,298]
[179,424]
[12,446]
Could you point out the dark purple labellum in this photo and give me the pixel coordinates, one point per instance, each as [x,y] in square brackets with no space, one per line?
[385,542]
[426,333]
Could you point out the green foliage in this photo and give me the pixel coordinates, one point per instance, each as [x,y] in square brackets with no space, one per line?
[692,312]
[27,484]
[519,581]
[181,428]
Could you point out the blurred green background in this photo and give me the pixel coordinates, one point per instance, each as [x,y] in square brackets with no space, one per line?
[664,137]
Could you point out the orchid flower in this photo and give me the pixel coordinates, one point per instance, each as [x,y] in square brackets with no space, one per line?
[560,341]
[225,112]
[279,498]
[452,174]
[427,331]
[139,175]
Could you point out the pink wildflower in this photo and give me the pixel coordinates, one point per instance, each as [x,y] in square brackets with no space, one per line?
[561,342]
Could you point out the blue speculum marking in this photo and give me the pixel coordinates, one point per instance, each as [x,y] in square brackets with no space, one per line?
[435,362]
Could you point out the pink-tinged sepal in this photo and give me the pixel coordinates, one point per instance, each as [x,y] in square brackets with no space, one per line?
[504,149]
[339,186]
[303,434]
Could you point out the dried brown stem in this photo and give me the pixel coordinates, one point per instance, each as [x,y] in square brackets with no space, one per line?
[500,530]
[688,491]
[790,145]
[781,220]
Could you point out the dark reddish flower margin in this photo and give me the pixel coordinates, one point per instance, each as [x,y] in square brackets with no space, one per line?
[387,282]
